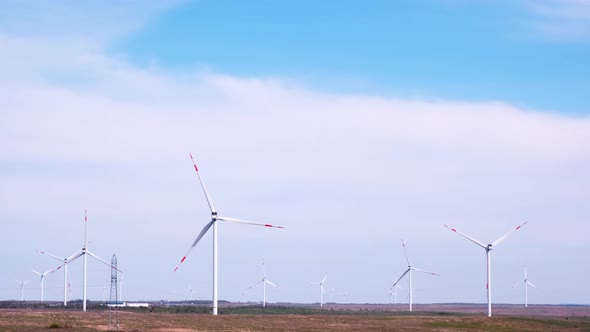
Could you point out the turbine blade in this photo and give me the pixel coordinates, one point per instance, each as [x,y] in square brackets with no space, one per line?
[427,272]
[102,261]
[207,196]
[400,278]
[530,283]
[467,237]
[518,284]
[270,283]
[75,256]
[406,252]
[507,234]
[240,221]
[51,255]
[36,272]
[324,280]
[203,231]
[247,289]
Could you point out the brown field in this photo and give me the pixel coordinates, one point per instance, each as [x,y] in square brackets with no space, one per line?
[340,318]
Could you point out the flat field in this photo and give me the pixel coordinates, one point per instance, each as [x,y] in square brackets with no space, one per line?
[291,319]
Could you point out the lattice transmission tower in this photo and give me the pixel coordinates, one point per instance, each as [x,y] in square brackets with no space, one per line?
[113,302]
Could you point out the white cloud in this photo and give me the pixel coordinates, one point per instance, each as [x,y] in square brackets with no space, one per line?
[560,20]
[348,174]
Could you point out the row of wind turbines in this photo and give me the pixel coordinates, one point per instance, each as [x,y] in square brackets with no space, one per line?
[215,217]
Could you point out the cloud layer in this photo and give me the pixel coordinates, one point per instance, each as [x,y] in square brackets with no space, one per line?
[348,174]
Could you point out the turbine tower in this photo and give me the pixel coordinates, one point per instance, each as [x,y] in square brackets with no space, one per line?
[488,248]
[22,289]
[42,275]
[214,218]
[409,273]
[321,284]
[526,283]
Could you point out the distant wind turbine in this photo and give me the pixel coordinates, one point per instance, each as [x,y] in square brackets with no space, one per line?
[393,291]
[488,248]
[213,222]
[82,252]
[42,275]
[263,281]
[22,289]
[526,283]
[409,273]
[321,284]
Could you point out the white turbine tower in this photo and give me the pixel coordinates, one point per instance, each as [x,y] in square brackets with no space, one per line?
[409,273]
[321,283]
[42,275]
[264,281]
[526,283]
[213,222]
[22,289]
[488,248]
[82,252]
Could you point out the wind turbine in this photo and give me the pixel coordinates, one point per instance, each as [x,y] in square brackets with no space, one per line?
[488,248]
[409,273]
[22,289]
[214,218]
[264,281]
[82,252]
[42,275]
[65,262]
[393,291]
[526,283]
[321,283]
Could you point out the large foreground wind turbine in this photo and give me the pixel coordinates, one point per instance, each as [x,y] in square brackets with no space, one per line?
[264,281]
[409,273]
[321,284]
[82,252]
[213,222]
[22,289]
[42,275]
[526,283]
[488,248]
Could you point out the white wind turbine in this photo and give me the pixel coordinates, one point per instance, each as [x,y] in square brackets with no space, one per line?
[526,283]
[321,283]
[213,222]
[393,291]
[488,248]
[22,289]
[65,262]
[409,273]
[82,252]
[264,281]
[42,275]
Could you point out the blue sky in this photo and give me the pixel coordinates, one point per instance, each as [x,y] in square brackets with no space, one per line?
[436,49]
[353,125]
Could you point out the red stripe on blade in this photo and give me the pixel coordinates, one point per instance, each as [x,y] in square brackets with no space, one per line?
[183,258]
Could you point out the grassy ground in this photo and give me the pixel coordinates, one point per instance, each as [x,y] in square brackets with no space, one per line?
[277,319]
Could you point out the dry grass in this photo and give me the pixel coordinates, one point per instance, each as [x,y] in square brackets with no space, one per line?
[40,320]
